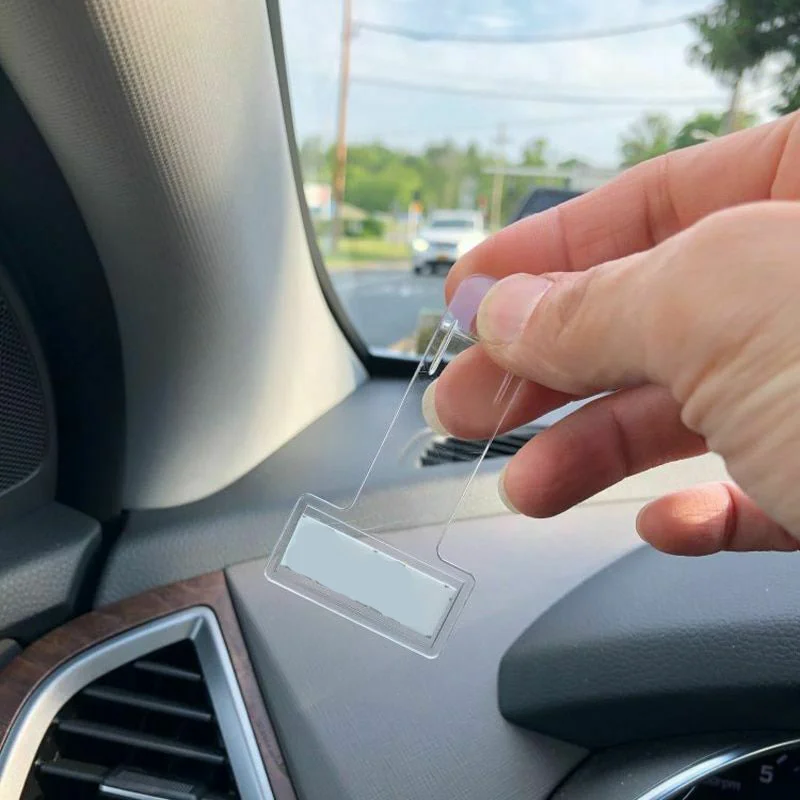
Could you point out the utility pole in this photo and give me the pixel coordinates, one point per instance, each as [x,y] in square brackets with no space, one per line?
[341,124]
[499,175]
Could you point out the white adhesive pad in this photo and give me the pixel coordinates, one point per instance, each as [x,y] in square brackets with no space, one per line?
[359,572]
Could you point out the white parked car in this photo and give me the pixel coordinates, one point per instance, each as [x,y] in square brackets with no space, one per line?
[445,238]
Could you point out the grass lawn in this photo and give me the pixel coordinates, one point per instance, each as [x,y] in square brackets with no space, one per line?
[353,253]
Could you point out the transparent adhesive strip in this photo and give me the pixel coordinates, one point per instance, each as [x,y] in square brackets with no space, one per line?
[339,558]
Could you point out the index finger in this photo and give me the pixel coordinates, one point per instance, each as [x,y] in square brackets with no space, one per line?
[645,205]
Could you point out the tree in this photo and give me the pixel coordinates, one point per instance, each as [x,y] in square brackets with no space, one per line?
[737,35]
[695,129]
[516,188]
[442,171]
[572,163]
[725,49]
[381,190]
[651,136]
[384,179]
[475,162]
[379,177]
[534,153]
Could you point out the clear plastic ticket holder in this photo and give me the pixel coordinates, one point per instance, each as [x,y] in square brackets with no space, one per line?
[338,558]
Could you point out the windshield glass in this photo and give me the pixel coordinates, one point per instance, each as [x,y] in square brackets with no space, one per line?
[486,110]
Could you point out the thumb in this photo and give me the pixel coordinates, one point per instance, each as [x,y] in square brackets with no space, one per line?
[579,333]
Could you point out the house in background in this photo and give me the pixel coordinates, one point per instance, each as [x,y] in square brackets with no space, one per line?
[319,199]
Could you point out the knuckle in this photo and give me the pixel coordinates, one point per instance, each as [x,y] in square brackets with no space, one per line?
[722,251]
[568,308]
[555,334]
[732,228]
[715,231]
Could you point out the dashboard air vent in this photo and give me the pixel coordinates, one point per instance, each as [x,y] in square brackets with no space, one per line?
[448,449]
[145,730]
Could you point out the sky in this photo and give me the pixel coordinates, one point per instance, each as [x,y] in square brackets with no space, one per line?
[648,67]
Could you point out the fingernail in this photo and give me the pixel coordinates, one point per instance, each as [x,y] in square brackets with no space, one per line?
[467,298]
[429,410]
[508,305]
[501,490]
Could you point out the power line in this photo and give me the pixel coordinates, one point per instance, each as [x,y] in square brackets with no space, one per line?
[522,38]
[563,99]
[519,122]
[510,82]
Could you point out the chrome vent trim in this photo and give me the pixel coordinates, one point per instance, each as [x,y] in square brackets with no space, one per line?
[197,624]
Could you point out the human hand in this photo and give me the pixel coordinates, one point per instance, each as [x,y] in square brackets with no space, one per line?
[676,286]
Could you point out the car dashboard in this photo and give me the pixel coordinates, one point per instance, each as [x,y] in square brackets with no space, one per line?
[176,372]
[584,665]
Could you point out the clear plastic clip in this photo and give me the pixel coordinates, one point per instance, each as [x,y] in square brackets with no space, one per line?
[338,557]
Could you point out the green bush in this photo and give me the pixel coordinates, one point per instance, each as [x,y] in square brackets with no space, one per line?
[353,228]
[369,228]
[373,228]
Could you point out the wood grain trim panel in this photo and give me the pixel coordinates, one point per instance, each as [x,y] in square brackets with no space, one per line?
[21,677]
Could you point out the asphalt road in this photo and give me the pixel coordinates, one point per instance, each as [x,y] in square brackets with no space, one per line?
[384,302]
